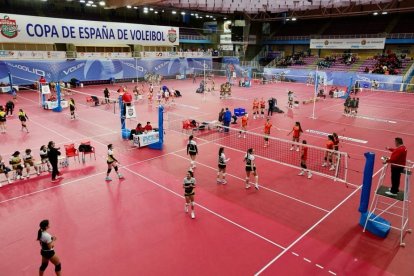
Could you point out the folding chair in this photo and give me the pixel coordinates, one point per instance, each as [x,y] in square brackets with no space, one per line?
[86,149]
[71,151]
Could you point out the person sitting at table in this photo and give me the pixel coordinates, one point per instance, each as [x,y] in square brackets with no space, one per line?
[139,129]
[148,127]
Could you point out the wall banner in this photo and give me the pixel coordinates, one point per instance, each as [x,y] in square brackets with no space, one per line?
[348,43]
[32,29]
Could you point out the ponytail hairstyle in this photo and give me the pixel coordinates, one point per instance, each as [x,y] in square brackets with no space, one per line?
[300,127]
[221,149]
[44,224]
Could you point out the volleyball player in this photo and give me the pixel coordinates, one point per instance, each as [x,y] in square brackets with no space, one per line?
[267,127]
[262,107]
[4,169]
[251,167]
[290,99]
[28,161]
[297,130]
[328,153]
[192,150]
[335,154]
[255,108]
[189,186]
[47,244]
[112,163]
[2,120]
[23,117]
[222,163]
[303,158]
[72,108]
[243,127]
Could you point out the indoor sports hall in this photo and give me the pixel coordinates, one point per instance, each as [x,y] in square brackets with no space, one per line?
[143,77]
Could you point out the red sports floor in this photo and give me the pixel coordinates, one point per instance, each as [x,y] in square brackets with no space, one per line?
[137,226]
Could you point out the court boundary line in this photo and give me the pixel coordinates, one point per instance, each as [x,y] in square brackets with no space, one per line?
[208,210]
[264,187]
[306,232]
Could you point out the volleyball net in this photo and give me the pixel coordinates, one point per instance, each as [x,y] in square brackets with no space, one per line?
[279,150]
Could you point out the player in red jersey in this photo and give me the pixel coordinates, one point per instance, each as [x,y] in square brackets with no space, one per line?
[255,108]
[328,153]
[303,158]
[243,127]
[267,127]
[297,130]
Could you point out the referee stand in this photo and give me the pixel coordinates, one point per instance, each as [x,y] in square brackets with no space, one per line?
[394,207]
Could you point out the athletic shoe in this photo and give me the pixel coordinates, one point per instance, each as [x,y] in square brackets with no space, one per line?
[192,215]
[186,208]
[309,175]
[120,176]
[291,148]
[332,168]
[108,178]
[256,186]
[390,194]
[324,164]
[301,173]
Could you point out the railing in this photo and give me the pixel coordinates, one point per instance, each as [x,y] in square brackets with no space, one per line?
[305,37]
[195,37]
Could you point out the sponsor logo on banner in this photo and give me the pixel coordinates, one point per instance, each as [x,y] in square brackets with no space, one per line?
[8,27]
[172,35]
[348,43]
[130,112]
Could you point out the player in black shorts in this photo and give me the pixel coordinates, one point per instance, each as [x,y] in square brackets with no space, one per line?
[222,164]
[189,186]
[192,150]
[47,244]
[251,167]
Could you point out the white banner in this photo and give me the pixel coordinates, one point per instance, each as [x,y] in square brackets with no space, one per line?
[348,43]
[146,139]
[130,112]
[175,54]
[32,29]
[6,54]
[45,89]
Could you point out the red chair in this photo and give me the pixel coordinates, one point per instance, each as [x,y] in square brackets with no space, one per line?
[86,149]
[71,151]
[187,126]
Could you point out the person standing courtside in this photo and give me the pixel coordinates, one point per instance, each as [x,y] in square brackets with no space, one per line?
[53,154]
[397,160]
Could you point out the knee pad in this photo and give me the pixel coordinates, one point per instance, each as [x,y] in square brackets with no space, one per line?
[43,266]
[58,267]
[109,171]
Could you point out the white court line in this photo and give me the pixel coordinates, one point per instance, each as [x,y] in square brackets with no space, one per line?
[317,132]
[263,187]
[307,232]
[209,210]
[370,128]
